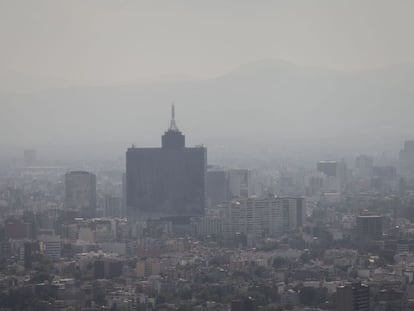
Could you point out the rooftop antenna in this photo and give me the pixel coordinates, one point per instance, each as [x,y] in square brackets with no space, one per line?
[173,126]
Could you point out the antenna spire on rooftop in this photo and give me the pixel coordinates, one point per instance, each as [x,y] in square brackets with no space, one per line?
[173,126]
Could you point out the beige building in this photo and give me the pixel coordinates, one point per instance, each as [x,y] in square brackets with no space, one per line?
[147,267]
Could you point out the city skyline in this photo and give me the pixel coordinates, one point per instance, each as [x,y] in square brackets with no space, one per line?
[284,182]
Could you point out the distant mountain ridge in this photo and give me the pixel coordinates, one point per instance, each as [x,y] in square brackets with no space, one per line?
[266,100]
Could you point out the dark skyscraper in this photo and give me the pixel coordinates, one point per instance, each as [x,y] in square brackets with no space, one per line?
[166,181]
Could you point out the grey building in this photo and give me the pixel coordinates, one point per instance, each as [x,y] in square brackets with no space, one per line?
[217,187]
[353,297]
[329,168]
[240,182]
[370,227]
[364,166]
[167,181]
[80,193]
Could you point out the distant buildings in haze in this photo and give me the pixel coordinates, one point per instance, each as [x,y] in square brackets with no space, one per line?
[29,157]
[254,217]
[407,160]
[80,193]
[224,184]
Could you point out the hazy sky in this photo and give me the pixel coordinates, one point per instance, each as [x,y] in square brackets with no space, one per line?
[117,44]
[48,42]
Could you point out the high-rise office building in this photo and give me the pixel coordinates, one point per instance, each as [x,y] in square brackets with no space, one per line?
[256,217]
[80,193]
[352,297]
[167,181]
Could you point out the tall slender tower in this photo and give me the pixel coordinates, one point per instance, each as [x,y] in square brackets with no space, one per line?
[167,181]
[173,126]
[173,138]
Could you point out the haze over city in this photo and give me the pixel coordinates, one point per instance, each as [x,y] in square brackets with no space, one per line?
[211,155]
[313,71]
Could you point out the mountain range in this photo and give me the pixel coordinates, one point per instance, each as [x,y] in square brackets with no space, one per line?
[266,101]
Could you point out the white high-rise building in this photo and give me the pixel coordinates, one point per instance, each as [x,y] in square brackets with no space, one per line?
[262,217]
